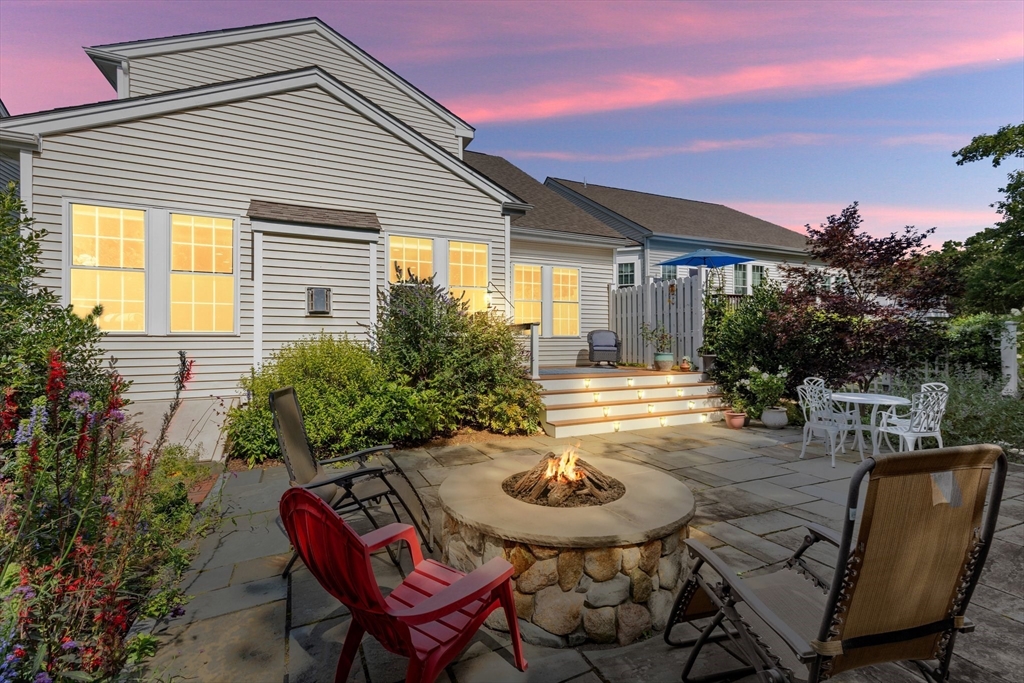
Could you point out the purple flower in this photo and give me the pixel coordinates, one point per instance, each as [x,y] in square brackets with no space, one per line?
[69,645]
[26,429]
[105,500]
[42,677]
[177,611]
[116,415]
[26,592]
[79,401]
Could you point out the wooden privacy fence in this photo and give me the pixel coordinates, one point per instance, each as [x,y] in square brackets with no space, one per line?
[675,305]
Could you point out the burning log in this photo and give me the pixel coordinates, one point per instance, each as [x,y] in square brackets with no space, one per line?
[556,479]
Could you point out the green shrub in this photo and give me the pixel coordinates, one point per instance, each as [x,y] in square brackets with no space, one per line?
[746,338]
[472,364]
[976,412]
[347,401]
[973,342]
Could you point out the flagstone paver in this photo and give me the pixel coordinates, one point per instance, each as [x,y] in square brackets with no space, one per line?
[753,491]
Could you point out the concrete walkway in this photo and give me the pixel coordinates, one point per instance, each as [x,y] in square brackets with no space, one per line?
[753,494]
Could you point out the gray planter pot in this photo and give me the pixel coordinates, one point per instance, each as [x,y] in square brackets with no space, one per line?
[774,418]
[707,361]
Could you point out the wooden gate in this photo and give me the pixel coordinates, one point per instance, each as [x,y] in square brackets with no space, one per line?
[676,305]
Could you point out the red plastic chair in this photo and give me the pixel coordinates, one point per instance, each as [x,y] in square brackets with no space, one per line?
[428,618]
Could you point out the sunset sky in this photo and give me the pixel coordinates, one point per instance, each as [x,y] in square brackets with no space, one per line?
[786,110]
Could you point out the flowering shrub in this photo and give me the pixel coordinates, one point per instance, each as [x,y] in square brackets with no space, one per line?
[80,526]
[764,389]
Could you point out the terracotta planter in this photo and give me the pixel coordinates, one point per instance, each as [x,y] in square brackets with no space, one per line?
[663,361]
[774,418]
[735,420]
[684,366]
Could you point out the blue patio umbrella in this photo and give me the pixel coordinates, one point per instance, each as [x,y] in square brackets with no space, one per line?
[706,257]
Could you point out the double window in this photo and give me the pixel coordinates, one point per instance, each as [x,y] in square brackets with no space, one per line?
[668,272]
[466,270]
[194,285]
[543,291]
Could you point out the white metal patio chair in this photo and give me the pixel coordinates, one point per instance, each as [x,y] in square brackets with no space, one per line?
[924,420]
[849,411]
[934,386]
[821,417]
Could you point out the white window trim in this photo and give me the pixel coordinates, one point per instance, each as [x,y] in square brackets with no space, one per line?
[746,284]
[440,257]
[579,302]
[158,263]
[512,288]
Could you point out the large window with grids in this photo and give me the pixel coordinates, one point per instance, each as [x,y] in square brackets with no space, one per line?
[739,280]
[108,265]
[410,257]
[626,274]
[528,294]
[757,276]
[202,274]
[565,302]
[467,273]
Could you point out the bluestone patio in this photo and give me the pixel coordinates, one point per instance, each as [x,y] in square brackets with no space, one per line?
[753,493]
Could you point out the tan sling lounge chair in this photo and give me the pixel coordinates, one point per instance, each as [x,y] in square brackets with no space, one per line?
[902,582]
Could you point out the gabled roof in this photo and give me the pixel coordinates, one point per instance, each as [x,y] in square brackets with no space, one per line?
[312,215]
[3,110]
[118,111]
[550,212]
[104,55]
[660,215]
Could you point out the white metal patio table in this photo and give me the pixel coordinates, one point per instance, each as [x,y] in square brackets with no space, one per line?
[875,401]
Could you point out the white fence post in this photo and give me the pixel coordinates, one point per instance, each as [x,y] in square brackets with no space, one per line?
[1008,353]
[534,351]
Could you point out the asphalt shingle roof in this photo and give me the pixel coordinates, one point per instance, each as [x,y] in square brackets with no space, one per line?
[686,217]
[551,211]
[311,215]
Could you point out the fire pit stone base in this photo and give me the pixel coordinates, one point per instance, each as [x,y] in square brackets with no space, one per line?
[568,596]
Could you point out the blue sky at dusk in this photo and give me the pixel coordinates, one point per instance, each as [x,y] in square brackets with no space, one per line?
[786,110]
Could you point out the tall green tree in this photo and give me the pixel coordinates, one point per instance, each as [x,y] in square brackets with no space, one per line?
[990,264]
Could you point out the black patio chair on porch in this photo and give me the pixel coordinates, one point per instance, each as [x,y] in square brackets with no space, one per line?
[355,488]
[604,346]
[902,583]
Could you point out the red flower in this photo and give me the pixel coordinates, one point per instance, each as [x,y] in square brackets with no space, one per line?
[58,373]
[9,413]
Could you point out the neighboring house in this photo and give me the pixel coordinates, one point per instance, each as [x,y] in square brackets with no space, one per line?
[201,205]
[3,110]
[8,159]
[666,227]
[563,261]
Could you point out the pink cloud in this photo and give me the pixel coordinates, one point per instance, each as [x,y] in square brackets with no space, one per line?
[694,147]
[944,140]
[633,90]
[879,219]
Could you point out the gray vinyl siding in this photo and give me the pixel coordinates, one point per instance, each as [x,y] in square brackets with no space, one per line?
[161,73]
[290,265]
[9,169]
[301,147]
[596,268]
[661,251]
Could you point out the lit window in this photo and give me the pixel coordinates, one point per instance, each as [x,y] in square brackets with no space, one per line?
[739,278]
[627,274]
[528,299]
[202,274]
[668,272]
[108,265]
[757,276]
[467,273]
[412,256]
[565,302]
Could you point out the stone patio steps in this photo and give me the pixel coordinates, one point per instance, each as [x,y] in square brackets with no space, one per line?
[600,403]
[563,397]
[605,425]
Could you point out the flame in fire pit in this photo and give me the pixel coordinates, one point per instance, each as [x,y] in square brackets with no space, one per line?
[564,469]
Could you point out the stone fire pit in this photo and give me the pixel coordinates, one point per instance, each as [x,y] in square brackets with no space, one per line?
[600,574]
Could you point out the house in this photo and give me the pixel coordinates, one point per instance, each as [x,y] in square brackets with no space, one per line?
[666,227]
[563,262]
[236,172]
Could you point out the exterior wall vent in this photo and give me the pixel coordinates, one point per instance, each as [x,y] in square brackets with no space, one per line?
[318,301]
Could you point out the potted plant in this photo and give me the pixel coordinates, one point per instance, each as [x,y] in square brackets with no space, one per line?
[660,338]
[736,413]
[767,389]
[684,364]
